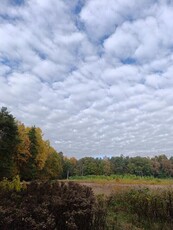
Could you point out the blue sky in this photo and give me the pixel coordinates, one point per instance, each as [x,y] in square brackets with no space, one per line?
[95,75]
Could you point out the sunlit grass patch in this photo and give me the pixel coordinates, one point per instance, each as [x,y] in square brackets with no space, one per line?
[123,179]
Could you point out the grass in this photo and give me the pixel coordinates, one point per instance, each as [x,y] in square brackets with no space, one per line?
[140,209]
[123,179]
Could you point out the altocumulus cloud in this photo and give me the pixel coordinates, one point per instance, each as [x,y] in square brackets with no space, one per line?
[96,76]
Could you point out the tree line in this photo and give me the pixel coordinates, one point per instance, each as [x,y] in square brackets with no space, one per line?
[159,166]
[24,152]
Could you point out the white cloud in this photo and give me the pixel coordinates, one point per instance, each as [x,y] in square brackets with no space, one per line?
[101,18]
[121,44]
[96,76]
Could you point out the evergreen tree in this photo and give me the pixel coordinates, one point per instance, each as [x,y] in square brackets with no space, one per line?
[8,143]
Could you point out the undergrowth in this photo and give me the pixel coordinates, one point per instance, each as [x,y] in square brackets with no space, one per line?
[69,206]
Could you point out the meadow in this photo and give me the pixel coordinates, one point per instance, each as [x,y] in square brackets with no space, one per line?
[78,204]
[125,179]
[109,184]
[133,202]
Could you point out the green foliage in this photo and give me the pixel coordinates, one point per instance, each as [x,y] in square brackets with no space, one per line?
[159,166]
[53,167]
[8,143]
[14,185]
[88,166]
[68,168]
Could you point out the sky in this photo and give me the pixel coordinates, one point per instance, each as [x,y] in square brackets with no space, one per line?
[95,75]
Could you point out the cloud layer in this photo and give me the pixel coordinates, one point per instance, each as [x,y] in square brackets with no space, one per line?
[96,76]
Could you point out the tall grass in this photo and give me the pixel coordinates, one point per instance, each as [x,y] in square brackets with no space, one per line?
[141,209]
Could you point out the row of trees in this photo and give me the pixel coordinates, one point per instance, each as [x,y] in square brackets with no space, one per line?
[159,166]
[24,152]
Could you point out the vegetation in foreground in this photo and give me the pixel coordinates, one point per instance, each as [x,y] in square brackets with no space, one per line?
[47,205]
[141,209]
[70,206]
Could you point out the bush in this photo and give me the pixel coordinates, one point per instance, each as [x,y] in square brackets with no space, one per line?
[7,185]
[49,205]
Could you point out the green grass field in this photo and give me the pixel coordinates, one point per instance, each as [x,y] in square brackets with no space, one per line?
[123,179]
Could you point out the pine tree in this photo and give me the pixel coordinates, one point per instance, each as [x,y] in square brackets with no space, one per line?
[8,143]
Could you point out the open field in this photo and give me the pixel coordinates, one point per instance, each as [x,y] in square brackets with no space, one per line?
[109,188]
[111,184]
[133,203]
